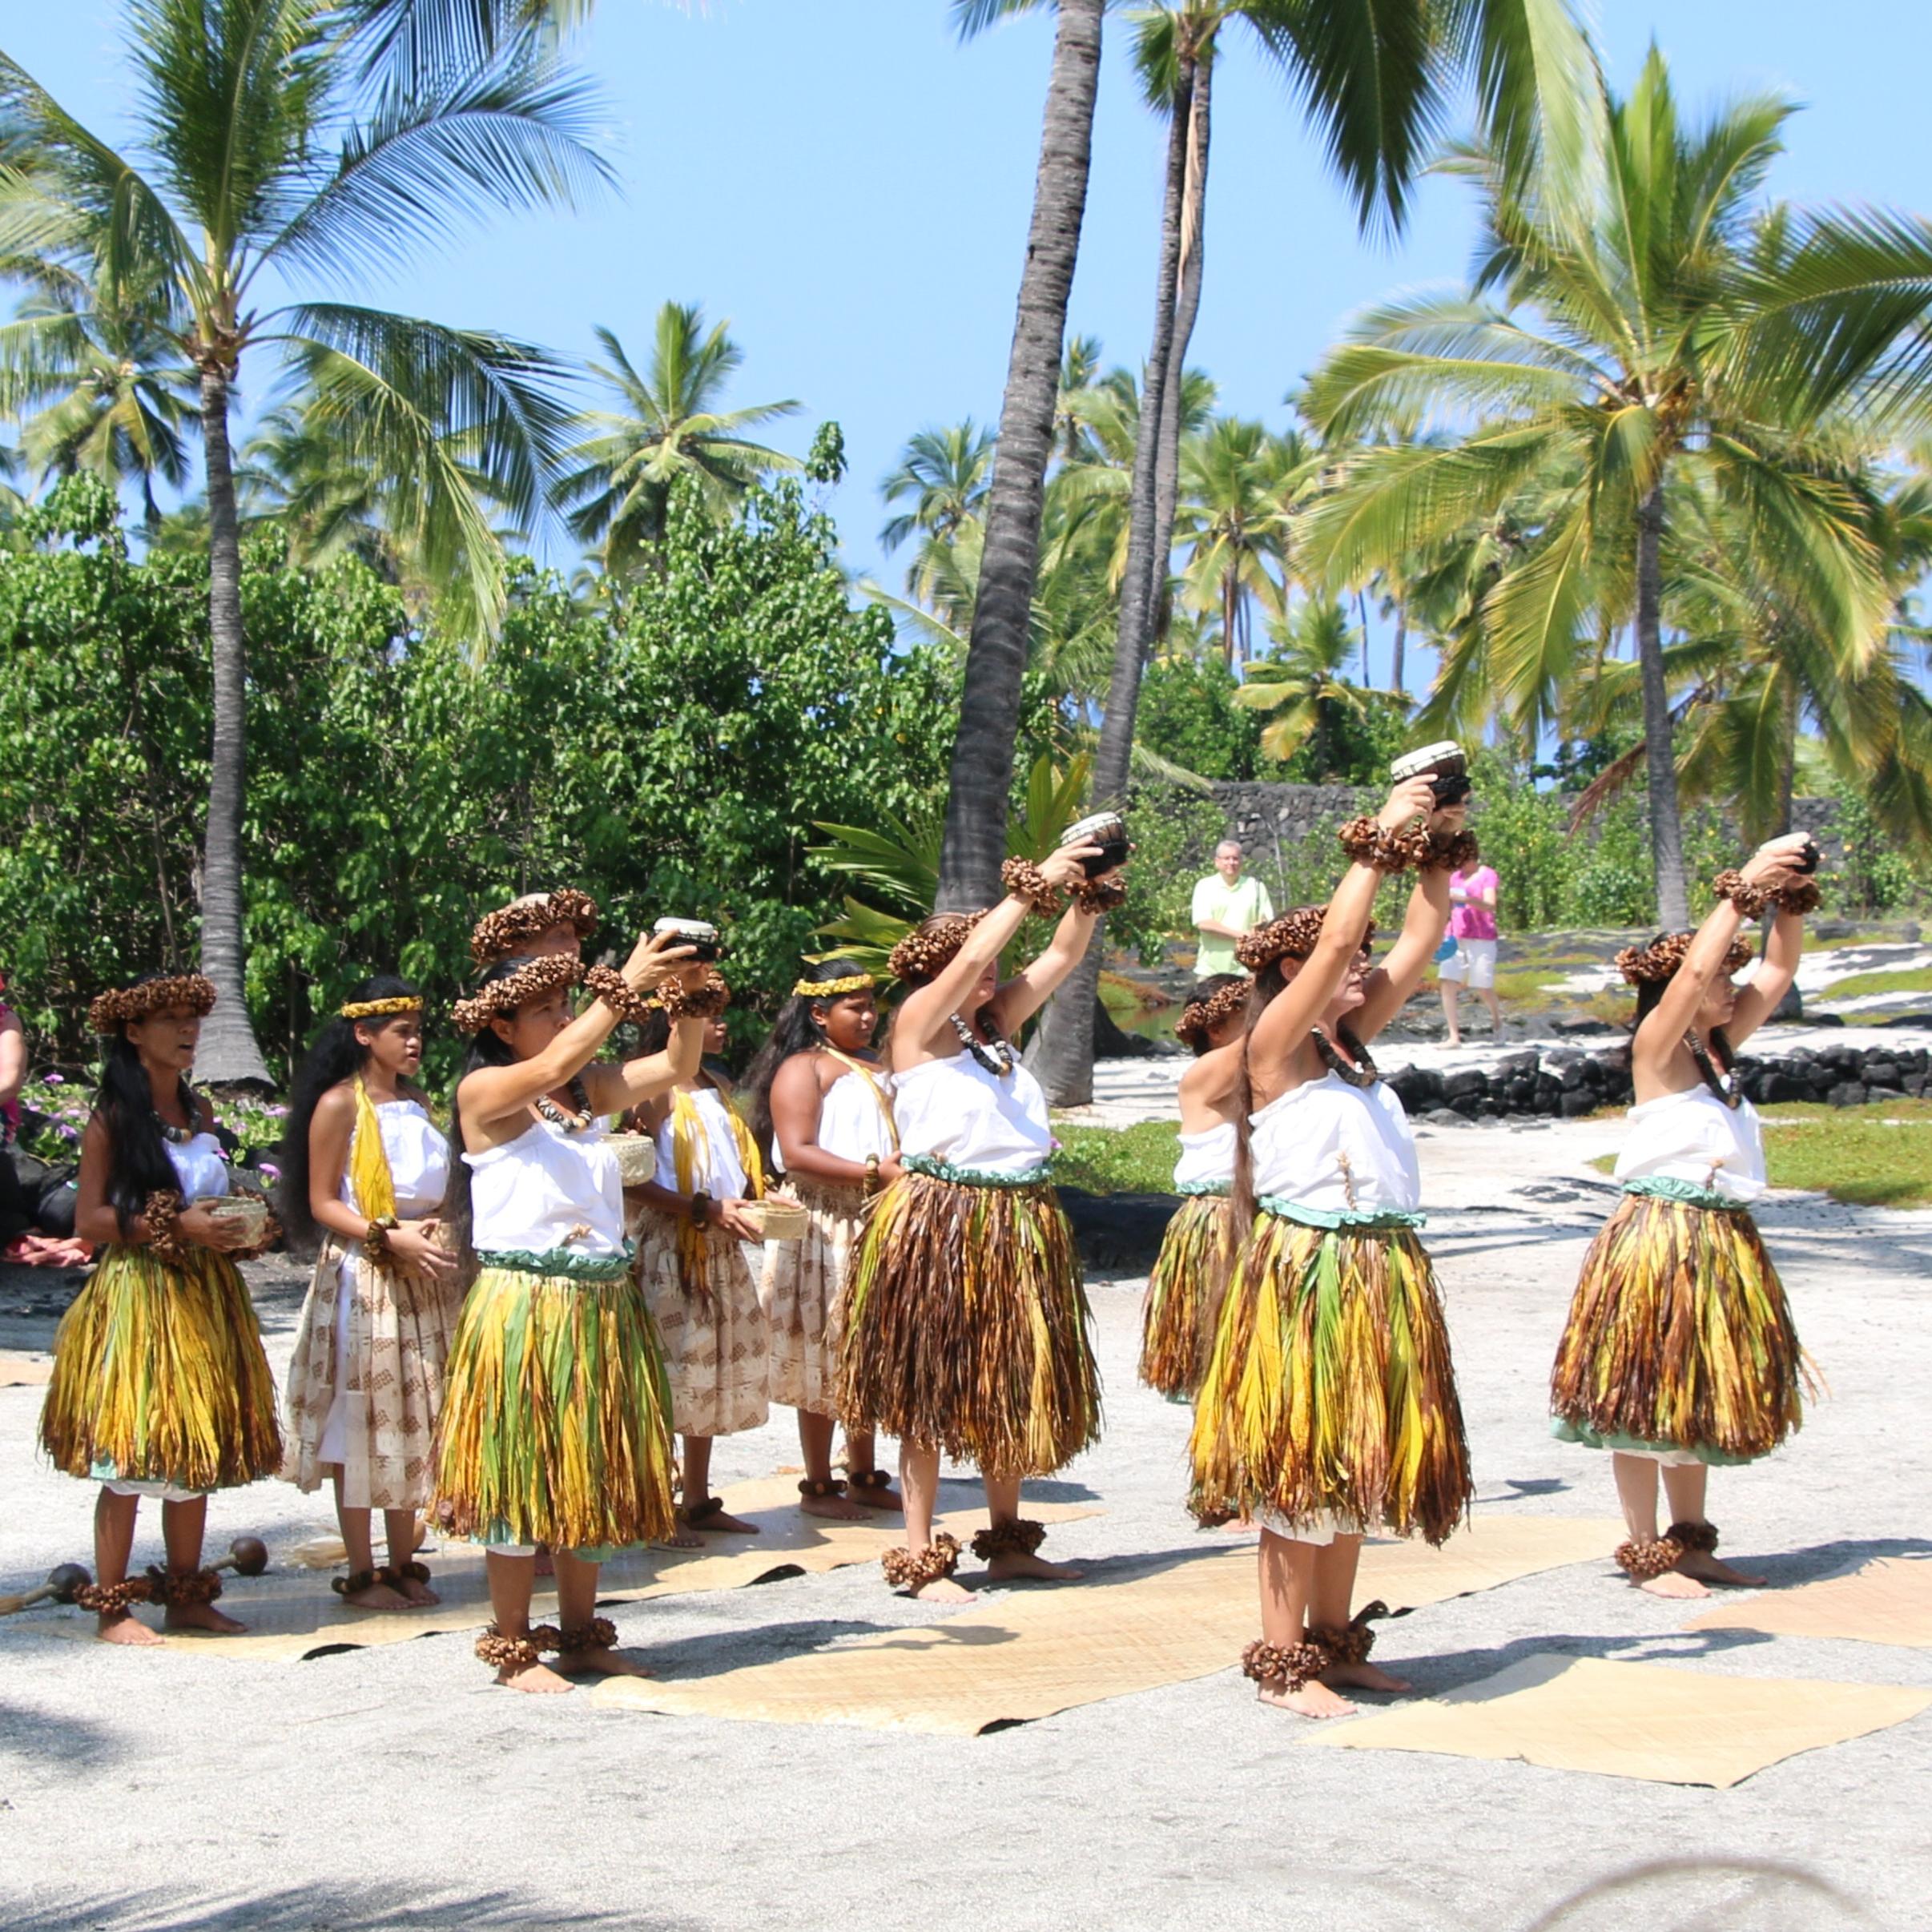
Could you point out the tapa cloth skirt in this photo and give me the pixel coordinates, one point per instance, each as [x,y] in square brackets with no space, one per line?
[965,1326]
[555,1423]
[1680,1341]
[159,1376]
[800,1290]
[1329,1400]
[1183,1293]
[366,1380]
[717,1352]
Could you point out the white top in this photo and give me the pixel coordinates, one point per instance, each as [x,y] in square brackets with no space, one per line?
[200,1166]
[419,1159]
[1206,1158]
[1300,1141]
[547,1189]
[716,1170]
[1693,1136]
[957,1111]
[852,1123]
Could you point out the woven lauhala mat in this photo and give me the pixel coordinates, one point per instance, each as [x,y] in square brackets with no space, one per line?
[1887,1602]
[24,1371]
[291,1612]
[1035,1652]
[1644,1721]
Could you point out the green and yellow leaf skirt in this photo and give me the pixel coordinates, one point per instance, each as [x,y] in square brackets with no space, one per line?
[1184,1294]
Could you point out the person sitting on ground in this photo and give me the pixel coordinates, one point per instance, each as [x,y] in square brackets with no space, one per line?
[1472,925]
[1227,907]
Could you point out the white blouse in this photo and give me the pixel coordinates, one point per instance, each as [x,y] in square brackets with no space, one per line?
[547,1189]
[852,1123]
[200,1166]
[418,1155]
[1301,1140]
[1207,1159]
[962,1113]
[1693,1136]
[717,1170]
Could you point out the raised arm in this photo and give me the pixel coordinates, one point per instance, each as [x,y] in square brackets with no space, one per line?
[1035,984]
[1387,990]
[1770,983]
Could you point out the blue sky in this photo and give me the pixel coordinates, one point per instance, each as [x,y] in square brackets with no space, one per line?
[850,185]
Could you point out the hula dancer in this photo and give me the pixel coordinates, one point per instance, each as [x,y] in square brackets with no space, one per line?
[160,1388]
[553,1428]
[538,926]
[1680,1351]
[692,1229]
[820,1102]
[964,1321]
[1183,1290]
[1327,1407]
[365,1170]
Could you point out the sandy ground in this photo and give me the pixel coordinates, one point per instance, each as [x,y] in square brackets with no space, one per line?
[393,1787]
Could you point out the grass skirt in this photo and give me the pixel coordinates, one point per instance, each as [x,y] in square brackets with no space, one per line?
[1328,1399]
[965,1327]
[159,1377]
[717,1354]
[1183,1294]
[554,1425]
[800,1291]
[389,1379]
[1680,1337]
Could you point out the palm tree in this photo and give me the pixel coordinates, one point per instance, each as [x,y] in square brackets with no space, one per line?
[668,425]
[982,766]
[299,141]
[1303,682]
[942,475]
[1651,332]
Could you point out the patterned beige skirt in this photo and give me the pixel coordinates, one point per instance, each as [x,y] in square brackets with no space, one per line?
[369,1356]
[799,1290]
[716,1351]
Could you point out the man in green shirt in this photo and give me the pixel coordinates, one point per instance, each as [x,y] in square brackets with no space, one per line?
[1225,906]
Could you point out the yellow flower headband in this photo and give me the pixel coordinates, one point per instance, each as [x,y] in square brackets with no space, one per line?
[831,989]
[375,1009]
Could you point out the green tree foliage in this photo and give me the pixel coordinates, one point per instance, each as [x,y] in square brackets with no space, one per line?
[674,762]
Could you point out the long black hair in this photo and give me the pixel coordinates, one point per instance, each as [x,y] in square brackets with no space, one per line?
[1650,994]
[137,1165]
[487,1048]
[796,1030]
[334,1055]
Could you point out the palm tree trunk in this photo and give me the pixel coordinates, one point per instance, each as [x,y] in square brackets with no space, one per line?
[1787,760]
[1187,307]
[982,768]
[1062,1053]
[1659,758]
[227,1052]
[1402,639]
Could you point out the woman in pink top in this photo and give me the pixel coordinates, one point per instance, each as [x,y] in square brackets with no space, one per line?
[1472,925]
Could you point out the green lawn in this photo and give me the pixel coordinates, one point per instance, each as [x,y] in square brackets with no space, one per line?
[1137,1159]
[1861,983]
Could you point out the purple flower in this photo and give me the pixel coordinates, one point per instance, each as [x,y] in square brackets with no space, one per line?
[269,1169]
[53,1080]
[66,1132]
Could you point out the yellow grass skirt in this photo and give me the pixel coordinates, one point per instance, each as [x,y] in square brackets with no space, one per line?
[554,1425]
[1183,1294]
[1680,1337]
[800,1291]
[389,1379]
[965,1326]
[159,1376]
[1329,1399]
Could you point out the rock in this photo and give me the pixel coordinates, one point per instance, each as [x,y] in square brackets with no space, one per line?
[1443,1117]
[1847,1093]
[1915,1084]
[1881,1073]
[1791,1009]
[1118,1234]
[1466,1083]
[1515,1066]
[1577,1102]
[1520,1092]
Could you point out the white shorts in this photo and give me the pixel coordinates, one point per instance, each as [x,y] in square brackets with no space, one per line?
[164,1492]
[1472,964]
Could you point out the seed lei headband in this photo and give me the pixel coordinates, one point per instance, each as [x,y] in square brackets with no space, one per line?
[530,981]
[112,1011]
[831,989]
[374,1009]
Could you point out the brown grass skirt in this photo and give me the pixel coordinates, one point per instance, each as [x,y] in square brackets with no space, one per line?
[1184,1294]
[965,1327]
[800,1291]
[1329,1399]
[1680,1337]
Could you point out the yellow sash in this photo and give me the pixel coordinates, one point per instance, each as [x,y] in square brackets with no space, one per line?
[373,1184]
[687,1129]
[878,1086]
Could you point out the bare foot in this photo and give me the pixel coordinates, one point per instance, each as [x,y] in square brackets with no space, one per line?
[1010,1563]
[717,1524]
[1710,1569]
[1364,1676]
[1315,1699]
[419,1595]
[836,1507]
[1673,1583]
[876,1498]
[378,1596]
[537,1678]
[943,1590]
[125,1628]
[599,1662]
[683,1537]
[200,1617]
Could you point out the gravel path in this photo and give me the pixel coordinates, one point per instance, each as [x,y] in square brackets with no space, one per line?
[390,1787]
